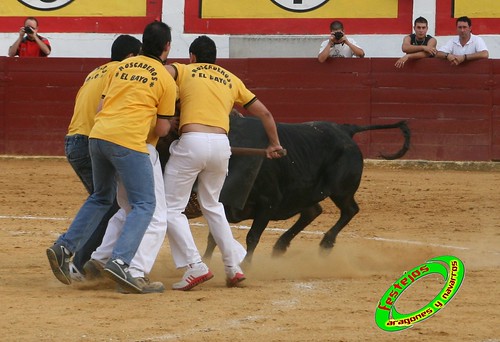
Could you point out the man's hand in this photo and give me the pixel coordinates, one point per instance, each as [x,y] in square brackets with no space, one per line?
[275,151]
[334,40]
[401,62]
[35,32]
[430,50]
[455,59]
[341,40]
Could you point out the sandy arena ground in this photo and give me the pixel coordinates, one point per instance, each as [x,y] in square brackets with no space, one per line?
[407,217]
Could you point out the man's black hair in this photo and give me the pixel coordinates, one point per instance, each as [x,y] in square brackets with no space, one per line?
[204,49]
[465,19]
[420,20]
[123,46]
[336,25]
[156,35]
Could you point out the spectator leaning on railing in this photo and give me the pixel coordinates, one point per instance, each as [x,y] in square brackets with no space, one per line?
[338,45]
[29,43]
[419,44]
[465,47]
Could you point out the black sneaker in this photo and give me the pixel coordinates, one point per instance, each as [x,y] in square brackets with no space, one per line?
[93,270]
[59,258]
[146,285]
[117,270]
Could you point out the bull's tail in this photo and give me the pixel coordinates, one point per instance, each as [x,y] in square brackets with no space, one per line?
[402,125]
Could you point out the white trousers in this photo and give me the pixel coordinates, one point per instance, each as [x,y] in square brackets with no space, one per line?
[204,156]
[148,250]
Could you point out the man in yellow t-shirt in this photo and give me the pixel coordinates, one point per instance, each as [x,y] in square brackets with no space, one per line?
[140,92]
[207,94]
[76,142]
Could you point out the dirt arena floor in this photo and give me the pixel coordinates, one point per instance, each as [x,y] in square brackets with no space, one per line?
[408,215]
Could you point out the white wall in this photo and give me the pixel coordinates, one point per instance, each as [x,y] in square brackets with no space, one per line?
[242,46]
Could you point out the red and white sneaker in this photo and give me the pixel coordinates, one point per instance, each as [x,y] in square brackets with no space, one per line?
[195,274]
[234,276]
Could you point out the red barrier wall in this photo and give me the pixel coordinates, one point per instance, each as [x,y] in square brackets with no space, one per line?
[453,112]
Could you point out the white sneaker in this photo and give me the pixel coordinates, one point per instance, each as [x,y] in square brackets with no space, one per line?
[75,274]
[195,274]
[234,275]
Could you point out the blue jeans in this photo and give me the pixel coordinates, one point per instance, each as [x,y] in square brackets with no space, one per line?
[76,148]
[136,173]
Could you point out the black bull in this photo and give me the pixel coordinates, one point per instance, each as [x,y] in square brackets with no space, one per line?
[322,161]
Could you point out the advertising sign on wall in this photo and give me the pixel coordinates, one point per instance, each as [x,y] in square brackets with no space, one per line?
[89,16]
[485,16]
[297,16]
[258,17]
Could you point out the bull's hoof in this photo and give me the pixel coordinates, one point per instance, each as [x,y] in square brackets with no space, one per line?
[327,243]
[247,261]
[280,248]
[324,252]
[278,252]
[326,247]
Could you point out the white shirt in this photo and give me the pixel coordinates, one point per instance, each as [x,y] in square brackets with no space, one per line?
[339,50]
[475,44]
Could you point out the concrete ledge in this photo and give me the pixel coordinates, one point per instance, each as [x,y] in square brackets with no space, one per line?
[306,46]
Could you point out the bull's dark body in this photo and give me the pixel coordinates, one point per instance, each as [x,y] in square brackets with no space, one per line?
[322,161]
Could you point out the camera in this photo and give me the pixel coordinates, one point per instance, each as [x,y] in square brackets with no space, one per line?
[28,29]
[338,35]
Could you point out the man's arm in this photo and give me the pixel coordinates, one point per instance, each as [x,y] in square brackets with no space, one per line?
[442,54]
[359,52]
[417,55]
[14,47]
[406,47]
[478,55]
[258,109]
[325,52]
[172,71]
[422,51]
[459,59]
[44,47]
[445,50]
[162,126]
[429,49]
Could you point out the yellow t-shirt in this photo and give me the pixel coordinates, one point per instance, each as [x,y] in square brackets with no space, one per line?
[88,98]
[140,90]
[152,138]
[207,94]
